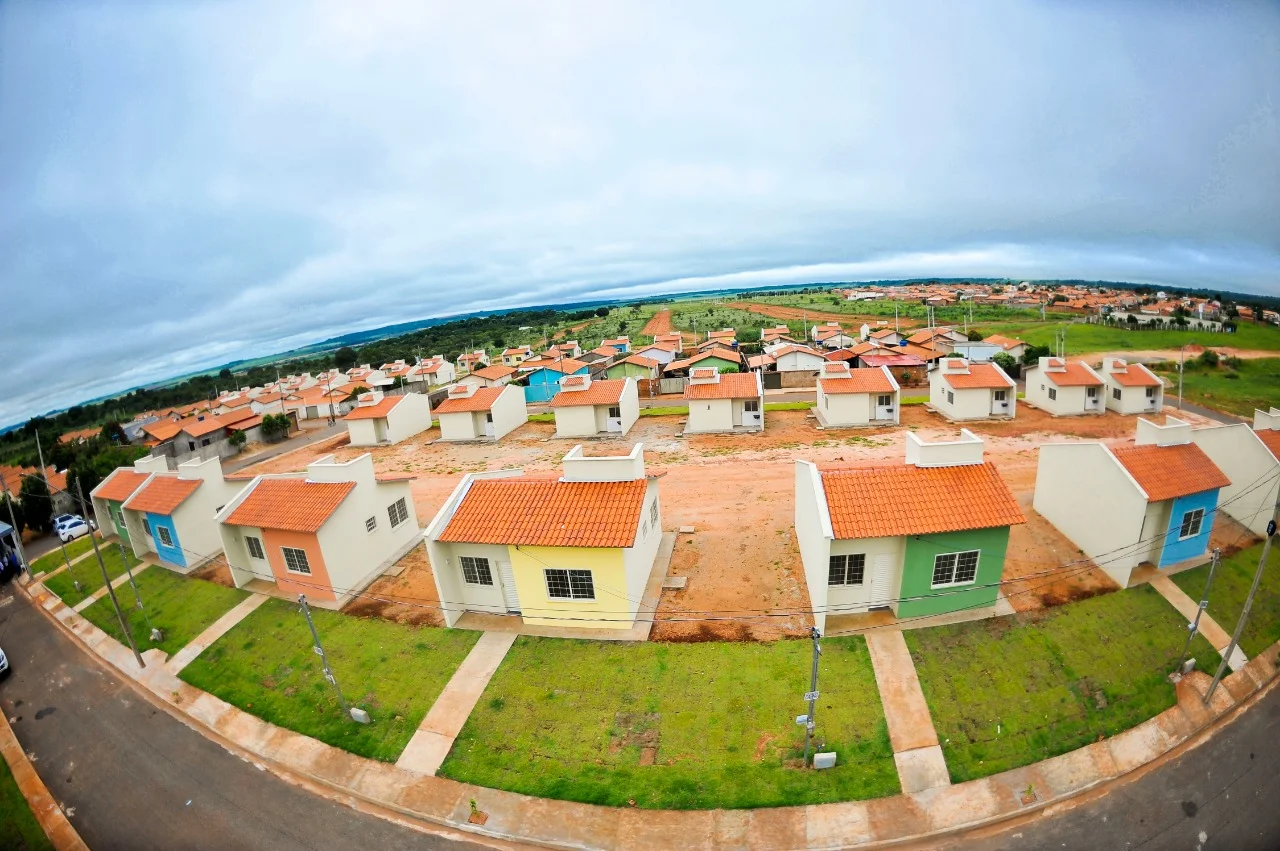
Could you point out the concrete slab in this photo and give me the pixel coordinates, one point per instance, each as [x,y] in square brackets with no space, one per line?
[686,530]
[922,768]
[215,630]
[837,825]
[1209,628]
[1138,745]
[434,737]
[905,709]
[674,583]
[867,622]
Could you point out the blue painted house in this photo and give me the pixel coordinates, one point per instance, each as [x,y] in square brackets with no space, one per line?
[172,515]
[544,381]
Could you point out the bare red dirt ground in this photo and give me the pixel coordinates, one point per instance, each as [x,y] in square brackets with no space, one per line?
[659,324]
[847,320]
[737,492]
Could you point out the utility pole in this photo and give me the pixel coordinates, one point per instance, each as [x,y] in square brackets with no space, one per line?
[1194,627]
[156,635]
[812,695]
[61,545]
[896,327]
[1248,603]
[124,627]
[13,521]
[356,714]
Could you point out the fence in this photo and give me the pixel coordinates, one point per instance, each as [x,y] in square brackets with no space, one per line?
[672,385]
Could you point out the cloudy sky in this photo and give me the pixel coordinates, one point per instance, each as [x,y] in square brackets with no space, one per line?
[187,183]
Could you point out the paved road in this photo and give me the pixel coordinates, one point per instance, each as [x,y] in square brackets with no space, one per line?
[1222,795]
[138,779]
[306,438]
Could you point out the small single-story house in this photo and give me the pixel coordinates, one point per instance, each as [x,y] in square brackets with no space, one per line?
[856,397]
[481,413]
[585,407]
[580,548]
[886,336]
[544,382]
[109,497]
[726,338]
[777,332]
[635,366]
[172,513]
[723,401]
[675,338]
[1250,457]
[963,391]
[379,420]
[797,359]
[1151,501]
[725,360]
[909,369]
[434,371]
[497,375]
[1131,387]
[842,355]
[326,533]
[516,355]
[663,353]
[471,361]
[939,339]
[569,349]
[1011,346]
[622,345]
[923,538]
[203,436]
[599,357]
[320,402]
[762,363]
[1065,388]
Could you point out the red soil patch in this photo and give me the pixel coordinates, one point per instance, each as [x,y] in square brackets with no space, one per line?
[409,598]
[659,324]
[848,321]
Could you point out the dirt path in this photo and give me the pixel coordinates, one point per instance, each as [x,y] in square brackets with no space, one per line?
[660,323]
[1191,351]
[848,321]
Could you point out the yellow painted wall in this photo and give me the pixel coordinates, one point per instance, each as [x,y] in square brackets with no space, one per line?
[609,610]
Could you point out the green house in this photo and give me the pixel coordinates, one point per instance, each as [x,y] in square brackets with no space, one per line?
[635,366]
[927,537]
[110,495]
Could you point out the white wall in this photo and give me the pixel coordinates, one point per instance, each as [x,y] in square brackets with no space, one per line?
[967,449]
[1173,432]
[1083,491]
[814,536]
[710,415]
[579,467]
[244,569]
[363,432]
[847,599]
[1249,464]
[845,409]
[477,598]
[638,559]
[629,404]
[1266,420]
[576,421]
[411,416]
[800,362]
[460,425]
[353,556]
[509,411]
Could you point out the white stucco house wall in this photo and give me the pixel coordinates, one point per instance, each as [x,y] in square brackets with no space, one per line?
[856,397]
[1065,389]
[172,514]
[724,402]
[1131,387]
[797,359]
[586,407]
[379,420]
[481,413]
[960,391]
[1250,457]
[494,375]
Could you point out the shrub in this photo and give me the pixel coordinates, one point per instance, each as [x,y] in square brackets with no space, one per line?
[1208,358]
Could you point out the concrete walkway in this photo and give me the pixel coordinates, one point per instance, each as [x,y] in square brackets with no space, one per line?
[434,737]
[1209,628]
[213,632]
[102,592]
[916,751]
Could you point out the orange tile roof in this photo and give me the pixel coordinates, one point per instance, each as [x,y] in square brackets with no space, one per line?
[163,494]
[640,360]
[1136,375]
[1271,439]
[732,385]
[981,376]
[1168,472]
[859,381]
[481,400]
[1005,343]
[1075,375]
[495,372]
[786,350]
[376,411]
[291,505]
[548,513]
[120,485]
[597,393]
[840,355]
[883,332]
[568,366]
[876,502]
[760,361]
[163,430]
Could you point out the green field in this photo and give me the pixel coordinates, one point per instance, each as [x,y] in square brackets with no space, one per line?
[181,607]
[1238,388]
[265,666]
[1084,338]
[1231,586]
[19,830]
[1012,691]
[53,559]
[678,726]
[89,574]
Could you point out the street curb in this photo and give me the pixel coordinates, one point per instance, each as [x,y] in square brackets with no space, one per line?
[53,821]
[927,816]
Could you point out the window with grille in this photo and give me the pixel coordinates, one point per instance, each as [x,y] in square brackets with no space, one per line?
[398,512]
[1115,393]
[1001,395]
[371,524]
[615,413]
[1053,393]
[884,400]
[1151,392]
[1191,523]
[569,584]
[475,571]
[254,545]
[751,406]
[955,568]
[846,569]
[295,560]
[653,513]
[146,525]
[1091,392]
[951,398]
[165,537]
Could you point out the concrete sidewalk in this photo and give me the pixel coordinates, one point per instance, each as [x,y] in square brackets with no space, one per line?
[434,737]
[115,584]
[1209,628]
[916,751]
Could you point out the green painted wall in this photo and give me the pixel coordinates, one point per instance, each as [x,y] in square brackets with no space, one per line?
[917,571]
[623,370]
[115,520]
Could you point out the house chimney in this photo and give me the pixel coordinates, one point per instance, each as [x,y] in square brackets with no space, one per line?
[948,453]
[1174,432]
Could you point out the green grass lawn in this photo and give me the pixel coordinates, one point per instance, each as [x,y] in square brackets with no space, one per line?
[667,411]
[1231,586]
[548,417]
[53,559]
[1238,389]
[181,607]
[1103,338]
[789,406]
[19,830]
[265,665]
[89,574]
[1012,691]
[675,725]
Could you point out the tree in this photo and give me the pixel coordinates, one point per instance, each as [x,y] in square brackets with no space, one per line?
[355,393]
[1208,358]
[275,426]
[113,433]
[602,312]
[237,439]
[1032,354]
[37,505]
[345,358]
[1005,361]
[225,374]
[974,335]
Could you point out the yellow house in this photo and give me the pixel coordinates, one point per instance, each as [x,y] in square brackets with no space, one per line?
[575,551]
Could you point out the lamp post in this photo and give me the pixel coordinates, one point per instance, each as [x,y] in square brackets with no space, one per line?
[1182,352]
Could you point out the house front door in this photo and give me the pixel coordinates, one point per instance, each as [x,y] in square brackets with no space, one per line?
[489,431]
[509,594]
[751,414]
[1000,402]
[884,406]
[1151,399]
[613,422]
[1091,399]
[881,580]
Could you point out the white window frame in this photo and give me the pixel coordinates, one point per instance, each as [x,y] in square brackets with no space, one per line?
[398,511]
[146,525]
[846,568]
[251,543]
[751,406]
[615,412]
[477,564]
[569,577]
[300,558]
[371,524]
[162,532]
[884,400]
[1002,395]
[1194,516]
[977,563]
[1115,393]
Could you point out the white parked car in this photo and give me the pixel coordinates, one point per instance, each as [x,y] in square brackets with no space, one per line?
[72,528]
